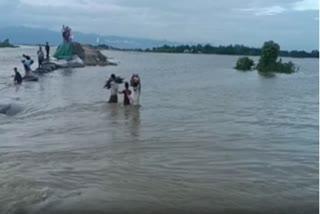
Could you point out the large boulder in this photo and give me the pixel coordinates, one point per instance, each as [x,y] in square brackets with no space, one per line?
[90,55]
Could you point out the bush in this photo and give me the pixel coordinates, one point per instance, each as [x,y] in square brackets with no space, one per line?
[286,68]
[244,64]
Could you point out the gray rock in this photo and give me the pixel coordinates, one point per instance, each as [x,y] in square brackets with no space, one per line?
[90,55]
[48,66]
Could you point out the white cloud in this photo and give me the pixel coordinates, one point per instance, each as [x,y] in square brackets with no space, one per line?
[93,6]
[265,11]
[302,5]
[306,5]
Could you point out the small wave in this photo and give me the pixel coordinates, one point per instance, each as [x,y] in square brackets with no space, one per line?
[10,109]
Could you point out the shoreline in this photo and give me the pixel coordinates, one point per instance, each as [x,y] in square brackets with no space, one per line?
[216,54]
[163,52]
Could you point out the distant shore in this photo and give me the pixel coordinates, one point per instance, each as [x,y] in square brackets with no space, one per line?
[220,50]
[6,44]
[233,50]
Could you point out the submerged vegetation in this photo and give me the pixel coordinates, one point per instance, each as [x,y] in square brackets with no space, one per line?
[268,61]
[244,64]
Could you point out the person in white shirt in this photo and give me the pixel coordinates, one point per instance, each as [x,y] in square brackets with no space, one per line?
[40,56]
[27,62]
[135,82]
[114,88]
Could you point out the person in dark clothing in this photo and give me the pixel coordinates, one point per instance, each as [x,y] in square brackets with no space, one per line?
[47,50]
[17,77]
[126,94]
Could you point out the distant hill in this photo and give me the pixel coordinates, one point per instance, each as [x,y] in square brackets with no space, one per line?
[32,36]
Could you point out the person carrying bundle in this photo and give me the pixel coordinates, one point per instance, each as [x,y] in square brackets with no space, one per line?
[135,82]
[112,84]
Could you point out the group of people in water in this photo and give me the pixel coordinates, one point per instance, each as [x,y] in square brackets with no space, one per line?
[27,62]
[129,97]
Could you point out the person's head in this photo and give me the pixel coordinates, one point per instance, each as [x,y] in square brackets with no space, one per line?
[40,47]
[26,56]
[47,43]
[15,69]
[126,85]
[113,76]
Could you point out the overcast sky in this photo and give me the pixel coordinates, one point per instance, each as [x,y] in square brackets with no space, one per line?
[294,24]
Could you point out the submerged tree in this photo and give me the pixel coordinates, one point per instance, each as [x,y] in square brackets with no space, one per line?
[268,61]
[269,54]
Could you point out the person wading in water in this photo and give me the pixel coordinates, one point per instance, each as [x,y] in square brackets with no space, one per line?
[135,82]
[17,77]
[113,86]
[126,94]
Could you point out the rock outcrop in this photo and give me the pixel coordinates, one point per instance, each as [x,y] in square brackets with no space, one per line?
[90,55]
[47,67]
[83,55]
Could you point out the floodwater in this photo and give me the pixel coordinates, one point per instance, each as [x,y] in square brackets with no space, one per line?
[206,138]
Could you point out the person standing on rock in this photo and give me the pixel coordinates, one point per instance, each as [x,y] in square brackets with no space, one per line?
[47,51]
[113,86]
[40,56]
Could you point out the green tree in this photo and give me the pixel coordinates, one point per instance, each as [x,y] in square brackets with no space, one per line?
[269,55]
[268,61]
